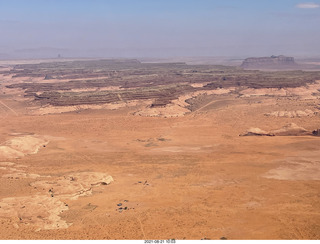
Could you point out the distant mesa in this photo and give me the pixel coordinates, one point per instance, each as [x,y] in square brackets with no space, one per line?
[273,62]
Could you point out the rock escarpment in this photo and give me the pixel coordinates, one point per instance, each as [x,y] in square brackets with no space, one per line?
[273,62]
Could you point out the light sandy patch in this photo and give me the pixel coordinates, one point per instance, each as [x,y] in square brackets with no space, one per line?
[17,171]
[176,149]
[53,110]
[220,91]
[40,211]
[296,170]
[292,114]
[310,91]
[20,134]
[21,145]
[21,166]
[170,110]
[27,144]
[8,152]
[7,164]
[107,88]
[263,92]
[181,101]
[197,85]
[215,181]
[49,109]
[13,169]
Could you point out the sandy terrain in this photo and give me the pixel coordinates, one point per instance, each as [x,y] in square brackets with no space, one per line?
[105,173]
[292,114]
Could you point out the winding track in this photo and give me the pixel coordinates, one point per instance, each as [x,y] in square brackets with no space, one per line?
[6,106]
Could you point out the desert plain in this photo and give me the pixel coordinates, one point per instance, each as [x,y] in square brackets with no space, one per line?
[119,149]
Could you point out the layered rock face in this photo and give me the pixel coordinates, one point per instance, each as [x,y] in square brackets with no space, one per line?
[273,62]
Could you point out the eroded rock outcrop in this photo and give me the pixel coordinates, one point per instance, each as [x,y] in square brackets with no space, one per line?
[291,130]
[256,132]
[42,210]
[288,130]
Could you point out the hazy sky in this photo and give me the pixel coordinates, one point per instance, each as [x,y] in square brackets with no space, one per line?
[140,28]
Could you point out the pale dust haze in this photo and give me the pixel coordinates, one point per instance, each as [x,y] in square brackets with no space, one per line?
[159,120]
